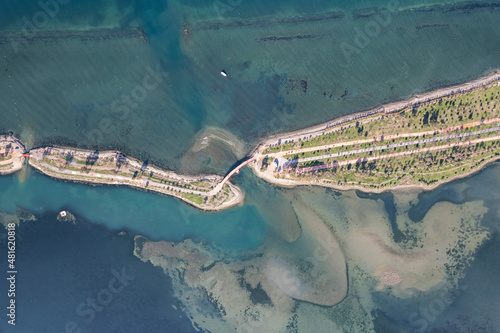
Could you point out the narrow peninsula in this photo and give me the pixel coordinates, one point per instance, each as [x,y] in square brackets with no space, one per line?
[115,168]
[421,142]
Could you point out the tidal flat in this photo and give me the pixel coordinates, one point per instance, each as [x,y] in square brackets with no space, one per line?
[288,72]
[396,263]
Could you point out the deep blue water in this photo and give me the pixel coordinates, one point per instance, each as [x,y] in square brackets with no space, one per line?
[61,265]
[80,77]
[56,88]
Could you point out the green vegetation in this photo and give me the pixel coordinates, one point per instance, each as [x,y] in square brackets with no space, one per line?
[426,168]
[193,197]
[458,114]
[455,110]
[400,139]
[105,168]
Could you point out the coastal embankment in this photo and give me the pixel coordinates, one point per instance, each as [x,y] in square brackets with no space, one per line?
[115,168]
[422,142]
[11,154]
[336,124]
[454,132]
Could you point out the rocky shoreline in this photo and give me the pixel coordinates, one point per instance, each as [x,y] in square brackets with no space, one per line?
[318,129]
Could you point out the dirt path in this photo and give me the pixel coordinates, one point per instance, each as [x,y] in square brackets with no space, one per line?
[93,176]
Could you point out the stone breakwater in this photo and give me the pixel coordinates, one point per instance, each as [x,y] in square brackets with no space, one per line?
[336,124]
[394,146]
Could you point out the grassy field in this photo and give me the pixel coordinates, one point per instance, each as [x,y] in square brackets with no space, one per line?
[193,197]
[455,110]
[465,113]
[9,165]
[403,140]
[426,168]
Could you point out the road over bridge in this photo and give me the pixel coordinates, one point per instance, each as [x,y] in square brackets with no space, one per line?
[235,170]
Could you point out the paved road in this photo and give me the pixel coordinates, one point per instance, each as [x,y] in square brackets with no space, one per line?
[221,184]
[37,155]
[402,144]
[460,127]
[385,156]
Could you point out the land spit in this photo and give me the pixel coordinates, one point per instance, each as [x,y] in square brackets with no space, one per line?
[114,168]
[422,142]
[454,132]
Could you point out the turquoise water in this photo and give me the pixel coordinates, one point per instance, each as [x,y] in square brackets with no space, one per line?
[151,215]
[59,88]
[83,255]
[476,299]
[61,265]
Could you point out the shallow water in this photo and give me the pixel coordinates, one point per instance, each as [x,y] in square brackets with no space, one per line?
[235,232]
[154,216]
[284,73]
[59,89]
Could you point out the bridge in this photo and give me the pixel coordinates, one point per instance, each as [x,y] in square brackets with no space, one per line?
[235,170]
